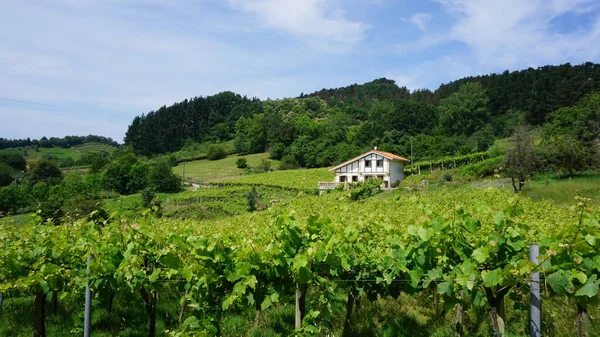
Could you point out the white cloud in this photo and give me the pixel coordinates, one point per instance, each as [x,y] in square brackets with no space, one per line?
[320,24]
[515,33]
[420,20]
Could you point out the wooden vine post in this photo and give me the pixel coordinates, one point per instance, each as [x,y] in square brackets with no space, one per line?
[535,322]
[300,305]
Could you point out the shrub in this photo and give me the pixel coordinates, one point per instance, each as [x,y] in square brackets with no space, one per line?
[446,177]
[13,159]
[482,169]
[241,163]
[44,170]
[253,199]
[265,165]
[215,152]
[6,174]
[147,196]
[162,178]
[288,162]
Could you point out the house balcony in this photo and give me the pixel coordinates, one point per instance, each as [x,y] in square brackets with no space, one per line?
[328,185]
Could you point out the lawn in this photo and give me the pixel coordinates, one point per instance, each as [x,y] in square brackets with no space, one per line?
[215,170]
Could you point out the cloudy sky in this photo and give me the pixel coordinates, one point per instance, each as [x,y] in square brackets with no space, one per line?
[90,66]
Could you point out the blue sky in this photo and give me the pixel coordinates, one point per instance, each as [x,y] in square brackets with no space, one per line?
[90,66]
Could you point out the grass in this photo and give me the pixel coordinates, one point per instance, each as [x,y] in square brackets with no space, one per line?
[563,191]
[215,170]
[303,178]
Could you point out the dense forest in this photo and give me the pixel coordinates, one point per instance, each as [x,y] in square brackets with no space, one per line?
[65,142]
[330,125]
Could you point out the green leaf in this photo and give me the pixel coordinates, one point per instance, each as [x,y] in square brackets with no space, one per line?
[192,322]
[444,288]
[498,219]
[171,260]
[590,288]
[472,225]
[481,254]
[590,239]
[265,303]
[492,278]
[560,282]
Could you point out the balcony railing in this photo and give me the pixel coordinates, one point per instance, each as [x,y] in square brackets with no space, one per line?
[327,185]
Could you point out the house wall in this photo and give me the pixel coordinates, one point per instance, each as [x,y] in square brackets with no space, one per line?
[392,170]
[396,172]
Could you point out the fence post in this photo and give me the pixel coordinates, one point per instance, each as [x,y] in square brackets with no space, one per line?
[535,322]
[87,322]
[300,305]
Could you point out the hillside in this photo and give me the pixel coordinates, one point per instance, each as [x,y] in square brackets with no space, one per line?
[331,125]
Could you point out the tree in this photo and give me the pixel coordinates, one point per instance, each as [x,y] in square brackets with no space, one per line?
[6,174]
[44,170]
[241,163]
[465,111]
[521,158]
[13,159]
[215,152]
[253,199]
[162,178]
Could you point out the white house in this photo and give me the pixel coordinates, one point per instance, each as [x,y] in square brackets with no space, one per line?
[373,164]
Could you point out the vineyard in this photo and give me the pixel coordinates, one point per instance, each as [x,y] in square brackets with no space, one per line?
[305,179]
[336,261]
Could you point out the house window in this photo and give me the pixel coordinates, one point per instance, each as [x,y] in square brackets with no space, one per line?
[342,179]
[367,163]
[380,163]
[354,178]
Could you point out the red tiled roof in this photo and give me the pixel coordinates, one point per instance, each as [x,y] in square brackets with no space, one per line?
[390,155]
[381,153]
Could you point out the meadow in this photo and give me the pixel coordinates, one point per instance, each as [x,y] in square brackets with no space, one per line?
[222,169]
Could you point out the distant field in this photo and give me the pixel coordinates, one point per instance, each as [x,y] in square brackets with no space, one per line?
[303,178]
[74,152]
[214,170]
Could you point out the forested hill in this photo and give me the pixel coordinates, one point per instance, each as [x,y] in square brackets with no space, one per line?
[330,125]
[534,91]
[64,142]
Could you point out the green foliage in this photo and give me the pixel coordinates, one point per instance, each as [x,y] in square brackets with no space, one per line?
[241,163]
[521,159]
[161,177]
[216,152]
[6,174]
[486,168]
[288,162]
[44,170]
[447,177]
[147,197]
[265,165]
[465,111]
[253,200]
[126,174]
[13,159]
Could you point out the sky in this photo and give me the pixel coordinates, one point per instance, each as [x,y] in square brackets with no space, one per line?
[78,67]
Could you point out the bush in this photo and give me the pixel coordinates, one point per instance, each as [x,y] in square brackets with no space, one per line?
[162,178]
[253,199]
[446,177]
[44,170]
[241,163]
[13,159]
[482,169]
[265,165]
[215,152]
[81,207]
[147,196]
[288,162]
[6,174]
